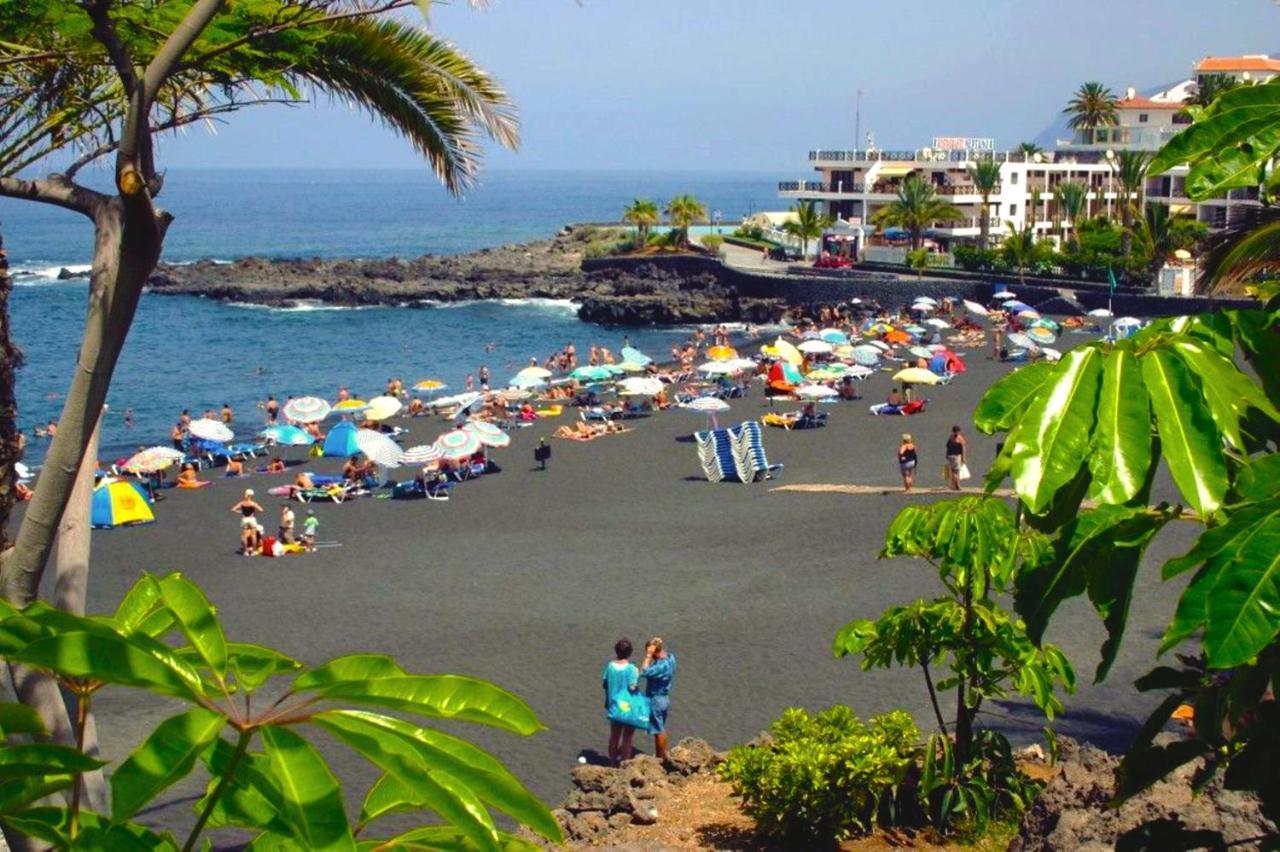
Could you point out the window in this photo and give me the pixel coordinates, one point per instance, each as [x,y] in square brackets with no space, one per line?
[1013,210]
[1013,177]
[1142,118]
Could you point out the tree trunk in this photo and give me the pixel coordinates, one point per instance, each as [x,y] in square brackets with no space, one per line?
[10,362]
[71,580]
[984,225]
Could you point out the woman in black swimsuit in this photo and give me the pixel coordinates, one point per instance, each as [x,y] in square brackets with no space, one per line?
[250,529]
[957,456]
[907,462]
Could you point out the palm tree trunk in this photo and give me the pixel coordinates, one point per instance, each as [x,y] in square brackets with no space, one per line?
[984,224]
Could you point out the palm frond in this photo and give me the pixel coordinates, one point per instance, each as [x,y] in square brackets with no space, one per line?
[1240,254]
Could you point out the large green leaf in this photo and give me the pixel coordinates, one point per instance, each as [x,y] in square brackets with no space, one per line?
[255,664]
[1235,131]
[18,794]
[165,757]
[1259,479]
[95,831]
[252,798]
[1258,333]
[1189,438]
[114,659]
[1052,439]
[434,788]
[196,620]
[1006,400]
[481,772]
[444,838]
[442,696]
[19,719]
[388,795]
[313,806]
[1229,392]
[141,602]
[1121,454]
[20,761]
[348,668]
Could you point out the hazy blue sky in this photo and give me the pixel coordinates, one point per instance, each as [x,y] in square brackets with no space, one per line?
[753,84]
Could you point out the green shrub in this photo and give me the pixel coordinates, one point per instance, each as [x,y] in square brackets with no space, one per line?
[712,243]
[749,232]
[824,777]
[598,249]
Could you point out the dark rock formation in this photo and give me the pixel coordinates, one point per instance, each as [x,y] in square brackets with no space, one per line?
[1073,811]
[65,274]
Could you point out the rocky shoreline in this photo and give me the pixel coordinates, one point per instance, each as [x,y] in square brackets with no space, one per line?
[545,269]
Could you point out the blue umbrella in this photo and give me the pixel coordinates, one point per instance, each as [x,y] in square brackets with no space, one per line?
[867,356]
[635,356]
[834,335]
[289,436]
[1016,306]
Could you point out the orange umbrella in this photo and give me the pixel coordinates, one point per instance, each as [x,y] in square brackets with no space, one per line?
[722,353]
[897,336]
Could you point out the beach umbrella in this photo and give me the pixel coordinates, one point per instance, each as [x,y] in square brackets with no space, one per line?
[926,300]
[717,368]
[631,367]
[526,382]
[22,470]
[421,454]
[1004,295]
[535,373]
[834,336]
[118,503]
[210,430]
[592,374]
[858,372]
[880,344]
[1127,321]
[825,374]
[1015,306]
[640,386]
[1045,322]
[153,459]
[915,329]
[462,400]
[708,405]
[1099,312]
[378,447]
[349,406]
[916,376]
[937,323]
[635,356]
[816,347]
[867,356]
[489,435]
[458,444]
[1021,341]
[1040,334]
[306,409]
[430,386]
[975,308]
[815,392]
[785,374]
[288,436]
[923,307]
[741,363]
[787,352]
[513,395]
[722,353]
[921,352]
[382,407]
[1029,313]
[878,328]
[341,440]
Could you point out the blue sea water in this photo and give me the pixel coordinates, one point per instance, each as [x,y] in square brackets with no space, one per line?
[187,352]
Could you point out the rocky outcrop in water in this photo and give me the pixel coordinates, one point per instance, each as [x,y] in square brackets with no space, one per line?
[548,269]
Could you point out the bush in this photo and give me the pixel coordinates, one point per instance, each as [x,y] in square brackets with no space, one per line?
[598,249]
[977,259]
[712,243]
[823,777]
[750,232]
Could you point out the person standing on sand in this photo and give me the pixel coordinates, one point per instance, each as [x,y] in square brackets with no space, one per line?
[250,529]
[659,671]
[620,676]
[957,456]
[286,524]
[907,461]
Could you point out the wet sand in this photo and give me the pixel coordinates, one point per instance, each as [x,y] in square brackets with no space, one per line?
[527,578]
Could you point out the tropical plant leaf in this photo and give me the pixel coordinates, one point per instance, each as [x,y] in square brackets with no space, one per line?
[1237,123]
[254,665]
[1259,479]
[114,659]
[141,602]
[19,719]
[483,774]
[358,667]
[1121,454]
[1229,392]
[95,831]
[197,621]
[252,798]
[1052,439]
[388,795]
[18,794]
[441,696]
[1258,333]
[20,761]
[444,838]
[1189,438]
[312,797]
[164,758]
[1007,399]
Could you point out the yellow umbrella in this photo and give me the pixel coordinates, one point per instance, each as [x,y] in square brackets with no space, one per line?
[821,375]
[430,385]
[350,406]
[916,376]
[721,353]
[787,352]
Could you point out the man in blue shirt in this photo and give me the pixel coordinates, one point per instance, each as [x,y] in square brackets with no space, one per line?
[659,670]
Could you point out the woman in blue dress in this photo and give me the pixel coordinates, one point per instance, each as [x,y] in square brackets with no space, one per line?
[620,676]
[659,671]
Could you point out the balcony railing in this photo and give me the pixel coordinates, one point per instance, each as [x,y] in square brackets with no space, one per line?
[818,186]
[922,156]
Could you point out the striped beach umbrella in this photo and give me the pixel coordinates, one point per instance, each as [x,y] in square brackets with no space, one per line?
[458,444]
[1040,334]
[489,435]
[152,459]
[378,447]
[421,454]
[306,409]
[1021,341]
[210,430]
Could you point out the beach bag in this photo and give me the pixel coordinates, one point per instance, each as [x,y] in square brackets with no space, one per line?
[316,451]
[964,473]
[629,708]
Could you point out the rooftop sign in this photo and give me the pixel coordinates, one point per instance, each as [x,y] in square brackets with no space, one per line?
[963,143]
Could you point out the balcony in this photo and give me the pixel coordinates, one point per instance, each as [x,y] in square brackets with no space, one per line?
[923,155]
[817,189]
[1131,138]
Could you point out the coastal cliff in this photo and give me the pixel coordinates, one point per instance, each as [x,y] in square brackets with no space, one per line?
[545,269]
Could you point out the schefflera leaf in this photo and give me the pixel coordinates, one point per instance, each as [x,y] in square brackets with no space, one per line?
[1121,455]
[1052,440]
[1189,437]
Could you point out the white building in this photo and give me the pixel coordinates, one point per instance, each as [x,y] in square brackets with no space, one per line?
[853,184]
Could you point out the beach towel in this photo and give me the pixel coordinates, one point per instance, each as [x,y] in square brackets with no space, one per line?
[630,709]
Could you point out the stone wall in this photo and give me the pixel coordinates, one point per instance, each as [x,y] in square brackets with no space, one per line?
[891,290]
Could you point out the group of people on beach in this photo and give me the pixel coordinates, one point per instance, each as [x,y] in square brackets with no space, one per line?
[253,534]
[623,707]
[957,453]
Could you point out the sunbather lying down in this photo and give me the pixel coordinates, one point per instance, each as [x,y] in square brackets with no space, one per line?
[582,431]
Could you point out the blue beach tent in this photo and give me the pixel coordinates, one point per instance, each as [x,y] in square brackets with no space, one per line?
[341,440]
[118,503]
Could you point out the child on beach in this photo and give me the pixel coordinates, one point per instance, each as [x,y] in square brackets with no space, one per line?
[309,528]
[620,677]
[286,523]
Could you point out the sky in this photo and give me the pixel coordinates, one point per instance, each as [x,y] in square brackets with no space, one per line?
[753,85]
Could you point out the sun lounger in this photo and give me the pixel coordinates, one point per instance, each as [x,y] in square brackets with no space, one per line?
[335,493]
[783,421]
[751,439]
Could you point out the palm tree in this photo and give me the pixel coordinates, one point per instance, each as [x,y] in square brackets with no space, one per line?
[1093,106]
[916,208]
[1022,250]
[644,214]
[1208,87]
[1072,196]
[985,174]
[1131,173]
[1156,238]
[683,211]
[1028,149]
[808,225]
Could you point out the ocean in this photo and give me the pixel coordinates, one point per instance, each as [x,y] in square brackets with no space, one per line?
[193,353]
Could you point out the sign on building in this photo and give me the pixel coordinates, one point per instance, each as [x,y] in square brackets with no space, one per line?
[963,143]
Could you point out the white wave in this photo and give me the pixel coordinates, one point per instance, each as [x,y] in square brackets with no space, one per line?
[568,305]
[29,276]
[302,306]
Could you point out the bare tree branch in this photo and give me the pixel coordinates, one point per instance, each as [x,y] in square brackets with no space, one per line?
[104,30]
[56,190]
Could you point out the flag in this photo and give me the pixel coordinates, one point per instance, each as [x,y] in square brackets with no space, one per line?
[1111,279]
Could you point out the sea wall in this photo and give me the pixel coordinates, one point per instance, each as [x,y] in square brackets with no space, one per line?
[893,290]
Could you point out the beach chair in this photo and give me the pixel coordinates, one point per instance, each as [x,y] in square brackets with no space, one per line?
[717,453]
[335,493]
[783,421]
[751,439]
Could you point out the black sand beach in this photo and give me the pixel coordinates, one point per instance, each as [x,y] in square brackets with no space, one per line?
[528,577]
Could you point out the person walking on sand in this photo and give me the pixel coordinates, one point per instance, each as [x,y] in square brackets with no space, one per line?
[659,670]
[907,461]
[957,457]
[620,677]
